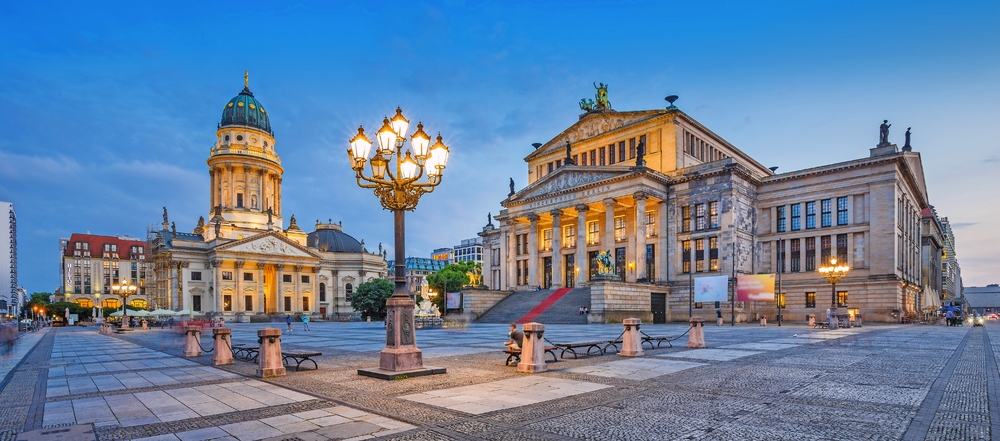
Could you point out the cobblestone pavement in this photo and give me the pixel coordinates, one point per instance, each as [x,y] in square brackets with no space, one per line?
[878,382]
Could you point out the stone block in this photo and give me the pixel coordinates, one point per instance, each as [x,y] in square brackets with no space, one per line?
[223,348]
[192,337]
[269,356]
[533,349]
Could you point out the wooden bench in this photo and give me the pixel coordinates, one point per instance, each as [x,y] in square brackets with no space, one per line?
[599,345]
[299,357]
[514,355]
[244,352]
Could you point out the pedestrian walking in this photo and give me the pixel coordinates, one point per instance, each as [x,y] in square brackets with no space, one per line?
[305,322]
[288,321]
[718,316]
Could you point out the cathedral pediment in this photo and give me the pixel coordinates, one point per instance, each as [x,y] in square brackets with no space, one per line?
[269,244]
[592,125]
[565,179]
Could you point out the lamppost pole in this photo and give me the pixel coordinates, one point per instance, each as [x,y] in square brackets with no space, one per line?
[399,191]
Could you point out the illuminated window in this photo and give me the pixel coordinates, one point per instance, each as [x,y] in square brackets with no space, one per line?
[651,223]
[810,300]
[841,299]
[713,215]
[620,229]
[685,218]
[593,232]
[700,221]
[227,275]
[699,255]
[569,236]
[547,239]
[713,254]
[686,256]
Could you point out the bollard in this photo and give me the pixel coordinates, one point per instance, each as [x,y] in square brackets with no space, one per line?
[812,320]
[192,348]
[144,325]
[269,354]
[223,349]
[763,321]
[533,349]
[631,340]
[696,339]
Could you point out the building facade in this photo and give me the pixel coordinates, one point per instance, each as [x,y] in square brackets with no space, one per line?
[932,243]
[951,272]
[244,261]
[671,201]
[90,264]
[469,250]
[417,270]
[8,254]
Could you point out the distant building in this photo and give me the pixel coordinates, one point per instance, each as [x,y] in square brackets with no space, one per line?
[90,264]
[417,270]
[8,256]
[983,299]
[445,254]
[932,250]
[951,272]
[469,250]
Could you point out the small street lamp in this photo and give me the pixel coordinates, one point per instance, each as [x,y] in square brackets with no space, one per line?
[124,289]
[833,273]
[100,308]
[399,191]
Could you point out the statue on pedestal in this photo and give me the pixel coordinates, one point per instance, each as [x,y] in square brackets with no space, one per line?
[511,188]
[883,132]
[906,145]
[640,154]
[605,266]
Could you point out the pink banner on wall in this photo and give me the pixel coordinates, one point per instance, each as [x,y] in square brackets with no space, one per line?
[755,288]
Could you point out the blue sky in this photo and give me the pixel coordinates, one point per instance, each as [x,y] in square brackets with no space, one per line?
[108,110]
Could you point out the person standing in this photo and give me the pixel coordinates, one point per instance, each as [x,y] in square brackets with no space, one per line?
[288,321]
[718,316]
[305,322]
[949,318]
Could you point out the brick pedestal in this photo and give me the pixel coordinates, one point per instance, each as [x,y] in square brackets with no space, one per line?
[533,349]
[192,337]
[269,357]
[223,347]
[696,338]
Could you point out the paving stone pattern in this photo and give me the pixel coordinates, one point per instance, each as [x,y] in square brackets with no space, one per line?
[794,383]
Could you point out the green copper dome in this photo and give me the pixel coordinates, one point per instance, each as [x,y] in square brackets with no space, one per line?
[244,110]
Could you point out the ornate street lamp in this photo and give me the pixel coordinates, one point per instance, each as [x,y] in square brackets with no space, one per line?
[399,189]
[833,273]
[124,289]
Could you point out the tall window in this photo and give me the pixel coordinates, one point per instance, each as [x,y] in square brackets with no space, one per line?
[631,148]
[621,151]
[841,299]
[651,223]
[620,229]
[781,218]
[700,221]
[686,218]
[810,300]
[796,255]
[239,200]
[612,157]
[810,254]
[713,253]
[350,291]
[842,211]
[796,217]
[524,243]
[593,157]
[195,275]
[227,303]
[650,262]
[286,278]
[713,214]
[601,155]
[686,256]
[825,207]
[547,239]
[305,303]
[248,303]
[322,292]
[248,277]
[824,249]
[593,232]
[810,215]
[842,248]
[699,255]
[569,236]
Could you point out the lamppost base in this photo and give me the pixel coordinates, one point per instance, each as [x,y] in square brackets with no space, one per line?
[383,374]
[834,323]
[401,359]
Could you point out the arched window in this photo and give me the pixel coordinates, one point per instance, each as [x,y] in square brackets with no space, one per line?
[350,290]
[85,303]
[138,303]
[322,292]
[111,303]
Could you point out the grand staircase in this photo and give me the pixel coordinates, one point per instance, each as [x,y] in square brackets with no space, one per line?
[547,306]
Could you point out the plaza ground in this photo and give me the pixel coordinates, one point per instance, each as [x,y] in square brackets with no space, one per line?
[793,382]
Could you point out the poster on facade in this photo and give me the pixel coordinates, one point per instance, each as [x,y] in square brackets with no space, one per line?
[454,300]
[755,288]
[711,289]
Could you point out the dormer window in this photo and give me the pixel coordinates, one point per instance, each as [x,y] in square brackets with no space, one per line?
[239,200]
[227,138]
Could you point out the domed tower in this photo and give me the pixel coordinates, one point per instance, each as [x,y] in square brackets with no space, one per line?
[245,170]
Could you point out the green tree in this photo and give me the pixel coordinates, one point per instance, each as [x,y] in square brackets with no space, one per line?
[369,299]
[451,278]
[39,299]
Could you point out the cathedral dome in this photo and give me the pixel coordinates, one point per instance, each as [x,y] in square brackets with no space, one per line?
[333,240]
[244,110]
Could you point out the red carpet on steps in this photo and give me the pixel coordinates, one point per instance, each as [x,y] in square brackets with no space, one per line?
[538,310]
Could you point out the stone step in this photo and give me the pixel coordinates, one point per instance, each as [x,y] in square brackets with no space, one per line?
[516,305]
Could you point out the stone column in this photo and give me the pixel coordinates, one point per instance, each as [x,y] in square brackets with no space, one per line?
[269,355]
[581,245]
[211,186]
[223,346]
[297,296]
[261,287]
[640,235]
[277,198]
[280,294]
[533,349]
[510,256]
[558,267]
[632,339]
[609,226]
[238,275]
[662,261]
[217,284]
[231,178]
[314,283]
[533,250]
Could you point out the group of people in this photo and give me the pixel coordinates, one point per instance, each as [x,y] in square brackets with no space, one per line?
[951,318]
[584,310]
[305,322]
